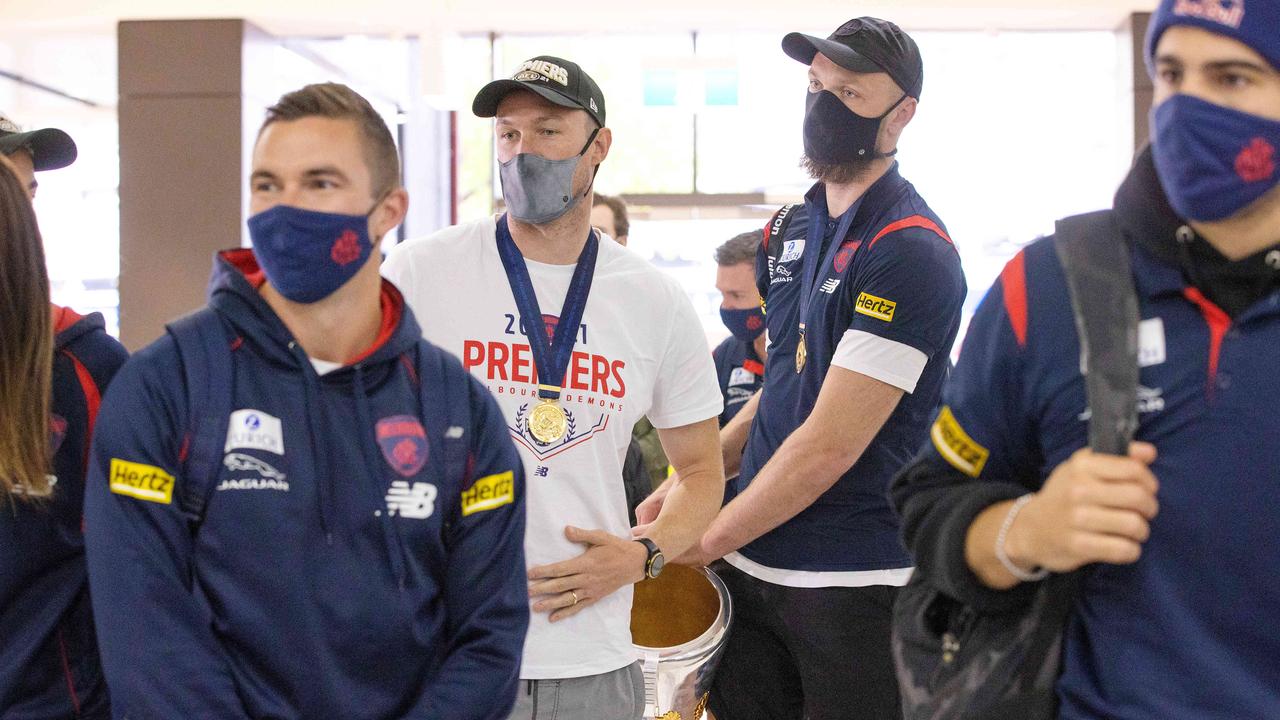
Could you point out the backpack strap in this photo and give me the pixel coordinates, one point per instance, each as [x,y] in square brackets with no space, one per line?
[777,228]
[456,433]
[1095,257]
[204,349]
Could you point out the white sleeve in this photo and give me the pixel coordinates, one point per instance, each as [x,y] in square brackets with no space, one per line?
[686,389]
[888,361]
[397,268]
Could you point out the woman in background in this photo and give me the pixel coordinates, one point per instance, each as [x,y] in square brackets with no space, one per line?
[54,366]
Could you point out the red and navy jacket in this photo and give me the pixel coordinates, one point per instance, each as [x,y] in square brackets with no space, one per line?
[1187,632]
[896,250]
[740,372]
[337,569]
[49,663]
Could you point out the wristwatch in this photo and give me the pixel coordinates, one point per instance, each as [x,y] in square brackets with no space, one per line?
[654,563]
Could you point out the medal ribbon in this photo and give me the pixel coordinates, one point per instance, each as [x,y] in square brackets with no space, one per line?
[813,239]
[550,355]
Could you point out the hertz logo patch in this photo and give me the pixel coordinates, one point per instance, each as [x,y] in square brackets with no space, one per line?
[955,445]
[875,307]
[488,493]
[142,482]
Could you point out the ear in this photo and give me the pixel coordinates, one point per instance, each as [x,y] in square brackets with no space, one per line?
[389,213]
[600,146]
[902,115]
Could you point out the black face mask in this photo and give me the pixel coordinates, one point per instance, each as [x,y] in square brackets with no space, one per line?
[834,134]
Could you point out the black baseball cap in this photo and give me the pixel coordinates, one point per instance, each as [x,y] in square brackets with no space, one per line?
[557,80]
[50,148]
[865,44]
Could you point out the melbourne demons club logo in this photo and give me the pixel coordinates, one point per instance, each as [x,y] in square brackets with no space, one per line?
[346,249]
[1226,12]
[1257,161]
[404,443]
[845,254]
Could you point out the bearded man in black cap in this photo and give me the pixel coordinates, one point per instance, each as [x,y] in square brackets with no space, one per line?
[863,290]
[577,339]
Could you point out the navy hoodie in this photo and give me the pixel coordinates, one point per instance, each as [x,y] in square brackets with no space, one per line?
[337,572]
[49,664]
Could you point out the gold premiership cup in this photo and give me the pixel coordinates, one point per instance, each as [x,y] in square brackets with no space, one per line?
[679,624]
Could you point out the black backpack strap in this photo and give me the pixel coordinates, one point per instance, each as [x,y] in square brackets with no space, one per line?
[1095,257]
[204,349]
[774,236]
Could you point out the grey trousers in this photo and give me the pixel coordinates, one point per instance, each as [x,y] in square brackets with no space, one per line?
[617,695]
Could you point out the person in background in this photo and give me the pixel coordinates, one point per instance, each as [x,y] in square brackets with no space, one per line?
[54,366]
[609,214]
[35,151]
[740,357]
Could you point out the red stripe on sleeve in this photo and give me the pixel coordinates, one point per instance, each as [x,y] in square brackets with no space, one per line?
[1013,282]
[915,221]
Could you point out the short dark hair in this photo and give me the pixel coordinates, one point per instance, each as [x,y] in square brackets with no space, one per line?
[740,248]
[339,102]
[621,222]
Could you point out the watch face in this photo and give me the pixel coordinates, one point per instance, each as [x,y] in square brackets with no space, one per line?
[656,564]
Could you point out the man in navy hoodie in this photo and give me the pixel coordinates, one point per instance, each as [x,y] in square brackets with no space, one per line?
[350,543]
[1176,541]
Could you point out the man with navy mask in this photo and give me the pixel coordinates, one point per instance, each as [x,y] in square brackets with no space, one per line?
[577,338]
[740,357]
[297,507]
[862,289]
[1176,539]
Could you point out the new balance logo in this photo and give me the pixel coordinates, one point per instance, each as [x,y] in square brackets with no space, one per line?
[829,286]
[417,501]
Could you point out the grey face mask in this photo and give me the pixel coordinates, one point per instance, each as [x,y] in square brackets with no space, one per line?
[538,190]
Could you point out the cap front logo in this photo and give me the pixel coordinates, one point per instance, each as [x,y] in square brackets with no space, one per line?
[1225,12]
[541,69]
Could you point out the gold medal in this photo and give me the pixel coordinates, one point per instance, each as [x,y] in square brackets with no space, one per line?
[547,422]
[802,353]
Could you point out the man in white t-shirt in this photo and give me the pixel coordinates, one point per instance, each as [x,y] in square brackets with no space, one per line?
[501,293]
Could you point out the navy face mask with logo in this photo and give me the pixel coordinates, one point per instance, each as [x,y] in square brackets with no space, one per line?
[834,134]
[1213,161]
[746,324]
[307,255]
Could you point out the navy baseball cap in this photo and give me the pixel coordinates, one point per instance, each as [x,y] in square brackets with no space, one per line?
[1255,23]
[557,80]
[50,148]
[866,45]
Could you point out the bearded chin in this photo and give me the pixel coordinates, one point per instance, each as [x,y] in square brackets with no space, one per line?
[838,173]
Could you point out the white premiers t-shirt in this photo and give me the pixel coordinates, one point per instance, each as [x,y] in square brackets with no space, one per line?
[639,351]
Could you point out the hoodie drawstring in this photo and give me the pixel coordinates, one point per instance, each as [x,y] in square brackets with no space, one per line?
[372,458]
[314,412]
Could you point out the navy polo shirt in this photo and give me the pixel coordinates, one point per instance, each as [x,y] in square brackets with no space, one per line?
[886,303]
[740,372]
